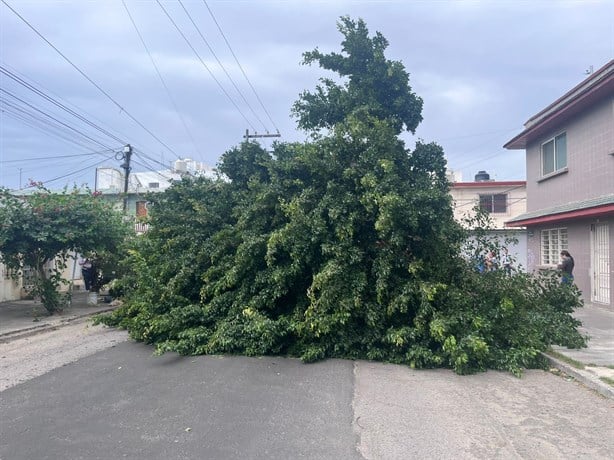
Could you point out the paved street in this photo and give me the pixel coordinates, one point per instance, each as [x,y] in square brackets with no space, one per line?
[113,400]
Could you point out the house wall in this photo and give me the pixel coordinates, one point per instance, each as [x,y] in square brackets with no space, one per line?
[590,160]
[9,289]
[579,246]
[13,290]
[466,197]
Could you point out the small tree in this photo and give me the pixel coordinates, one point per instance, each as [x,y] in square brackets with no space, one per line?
[41,230]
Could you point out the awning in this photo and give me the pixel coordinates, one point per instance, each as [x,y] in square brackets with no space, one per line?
[595,207]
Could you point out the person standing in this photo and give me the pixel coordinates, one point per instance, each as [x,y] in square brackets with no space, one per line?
[506,262]
[566,267]
[490,262]
[86,272]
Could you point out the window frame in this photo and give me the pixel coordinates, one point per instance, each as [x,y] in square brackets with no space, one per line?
[555,155]
[549,254]
[141,208]
[493,202]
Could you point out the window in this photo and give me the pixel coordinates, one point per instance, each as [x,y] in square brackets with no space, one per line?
[141,208]
[553,242]
[554,154]
[494,203]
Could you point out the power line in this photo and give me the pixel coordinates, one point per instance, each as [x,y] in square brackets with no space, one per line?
[42,125]
[45,90]
[150,158]
[45,125]
[153,170]
[204,65]
[168,92]
[57,157]
[502,192]
[45,96]
[223,68]
[486,157]
[45,168]
[89,166]
[240,67]
[47,115]
[88,78]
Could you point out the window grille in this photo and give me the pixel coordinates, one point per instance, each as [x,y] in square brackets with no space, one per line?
[553,241]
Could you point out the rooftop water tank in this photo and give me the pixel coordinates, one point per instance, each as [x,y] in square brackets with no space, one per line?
[181,166]
[482,176]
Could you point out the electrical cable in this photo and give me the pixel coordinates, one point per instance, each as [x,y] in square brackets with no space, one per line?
[168,92]
[143,154]
[503,192]
[204,65]
[45,126]
[222,66]
[89,79]
[89,166]
[152,170]
[241,67]
[49,116]
[56,157]
[45,90]
[32,88]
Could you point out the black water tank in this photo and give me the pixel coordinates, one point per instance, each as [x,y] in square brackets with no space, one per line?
[482,176]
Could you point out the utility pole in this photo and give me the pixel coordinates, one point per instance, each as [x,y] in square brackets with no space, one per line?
[256,135]
[126,167]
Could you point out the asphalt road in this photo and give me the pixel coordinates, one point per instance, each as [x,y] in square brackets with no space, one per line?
[114,400]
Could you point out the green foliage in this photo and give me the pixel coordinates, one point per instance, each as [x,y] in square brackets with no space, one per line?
[344,246]
[41,229]
[373,85]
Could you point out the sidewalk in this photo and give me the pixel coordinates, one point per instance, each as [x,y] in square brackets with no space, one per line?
[592,366]
[20,318]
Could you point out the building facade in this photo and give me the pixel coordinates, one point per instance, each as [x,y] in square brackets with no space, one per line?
[570,184]
[502,200]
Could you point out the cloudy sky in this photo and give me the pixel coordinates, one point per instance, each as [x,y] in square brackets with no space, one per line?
[173,88]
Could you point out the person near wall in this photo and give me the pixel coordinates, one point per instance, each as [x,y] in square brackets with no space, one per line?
[490,262]
[506,262]
[566,267]
[87,272]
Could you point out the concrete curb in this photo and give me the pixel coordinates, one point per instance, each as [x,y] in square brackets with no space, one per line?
[48,326]
[586,378]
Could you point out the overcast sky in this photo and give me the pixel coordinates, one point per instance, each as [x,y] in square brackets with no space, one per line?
[482,68]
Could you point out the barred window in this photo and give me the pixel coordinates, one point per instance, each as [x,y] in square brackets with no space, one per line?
[553,241]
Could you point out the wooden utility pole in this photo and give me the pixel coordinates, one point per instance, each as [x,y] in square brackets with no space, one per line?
[256,135]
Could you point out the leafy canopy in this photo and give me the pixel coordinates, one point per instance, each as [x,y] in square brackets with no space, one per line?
[41,229]
[373,84]
[344,246]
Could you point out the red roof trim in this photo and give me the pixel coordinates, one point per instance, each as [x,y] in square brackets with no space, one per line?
[581,213]
[507,183]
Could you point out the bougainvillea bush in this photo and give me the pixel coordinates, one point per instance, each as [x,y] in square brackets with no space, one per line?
[42,229]
[341,246]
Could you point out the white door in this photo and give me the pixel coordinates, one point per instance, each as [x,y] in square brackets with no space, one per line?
[600,263]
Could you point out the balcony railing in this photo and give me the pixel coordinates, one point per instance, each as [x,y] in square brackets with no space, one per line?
[140,227]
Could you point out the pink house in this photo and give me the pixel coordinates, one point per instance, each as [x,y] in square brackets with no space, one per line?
[570,184]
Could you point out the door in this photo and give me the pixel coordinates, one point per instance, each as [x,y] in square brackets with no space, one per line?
[600,263]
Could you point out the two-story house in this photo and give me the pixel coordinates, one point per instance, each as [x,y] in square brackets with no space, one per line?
[570,184]
[502,200]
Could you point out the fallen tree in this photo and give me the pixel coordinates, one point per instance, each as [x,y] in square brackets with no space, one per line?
[343,246]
